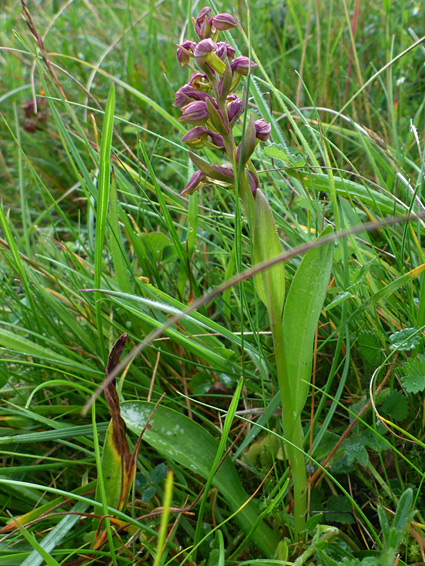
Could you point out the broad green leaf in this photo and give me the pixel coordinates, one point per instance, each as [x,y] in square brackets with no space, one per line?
[270,282]
[187,443]
[402,515]
[112,469]
[302,309]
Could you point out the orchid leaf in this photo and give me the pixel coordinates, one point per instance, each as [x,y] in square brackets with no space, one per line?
[302,309]
[270,282]
[117,465]
[189,444]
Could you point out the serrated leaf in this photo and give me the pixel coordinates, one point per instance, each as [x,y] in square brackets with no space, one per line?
[339,510]
[276,152]
[370,347]
[405,339]
[413,379]
[373,440]
[355,451]
[395,406]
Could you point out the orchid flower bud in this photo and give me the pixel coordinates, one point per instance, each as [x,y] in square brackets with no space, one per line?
[246,149]
[195,113]
[242,65]
[262,129]
[196,181]
[235,108]
[187,94]
[200,137]
[185,52]
[205,53]
[219,174]
[224,50]
[222,22]
[253,182]
[222,175]
[203,24]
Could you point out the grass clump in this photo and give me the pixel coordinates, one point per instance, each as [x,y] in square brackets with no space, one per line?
[103,258]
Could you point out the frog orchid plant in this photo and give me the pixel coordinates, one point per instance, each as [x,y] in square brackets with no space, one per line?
[210,104]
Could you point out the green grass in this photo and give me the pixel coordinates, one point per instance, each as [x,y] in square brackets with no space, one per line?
[86,256]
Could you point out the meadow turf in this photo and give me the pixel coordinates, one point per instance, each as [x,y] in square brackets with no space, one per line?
[96,242]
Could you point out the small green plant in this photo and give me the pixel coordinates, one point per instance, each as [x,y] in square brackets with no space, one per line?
[393,535]
[209,102]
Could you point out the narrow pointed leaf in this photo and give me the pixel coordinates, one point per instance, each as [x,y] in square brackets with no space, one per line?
[353,191]
[103,185]
[27,347]
[55,537]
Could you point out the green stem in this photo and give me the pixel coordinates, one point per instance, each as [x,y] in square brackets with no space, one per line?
[292,430]
[247,199]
